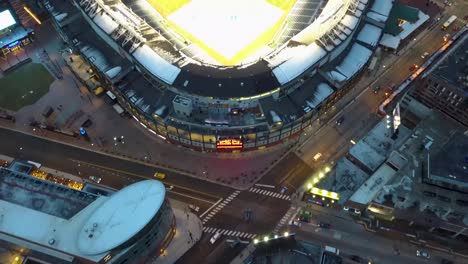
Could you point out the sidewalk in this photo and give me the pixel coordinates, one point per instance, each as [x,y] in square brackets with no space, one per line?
[188,233]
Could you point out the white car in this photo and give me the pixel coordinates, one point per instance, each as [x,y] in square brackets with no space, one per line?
[425,55]
[95,179]
[215,237]
[194,208]
[422,254]
[317,156]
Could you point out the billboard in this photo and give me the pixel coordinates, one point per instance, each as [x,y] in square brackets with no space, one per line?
[6,19]
[229,144]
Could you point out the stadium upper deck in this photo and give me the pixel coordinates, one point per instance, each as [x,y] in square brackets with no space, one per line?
[196,103]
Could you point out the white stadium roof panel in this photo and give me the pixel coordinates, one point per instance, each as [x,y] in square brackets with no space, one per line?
[106,23]
[301,61]
[357,13]
[336,76]
[154,63]
[370,34]
[320,94]
[390,41]
[377,17]
[349,21]
[382,7]
[354,61]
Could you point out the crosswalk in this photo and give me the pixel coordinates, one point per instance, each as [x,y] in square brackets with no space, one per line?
[285,219]
[220,206]
[229,233]
[270,193]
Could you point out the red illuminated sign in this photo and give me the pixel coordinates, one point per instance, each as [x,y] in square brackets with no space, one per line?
[229,144]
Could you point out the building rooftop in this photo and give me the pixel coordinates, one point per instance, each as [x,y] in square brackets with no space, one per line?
[454,67]
[452,160]
[373,185]
[73,223]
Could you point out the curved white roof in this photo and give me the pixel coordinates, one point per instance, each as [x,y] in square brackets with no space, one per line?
[350,21]
[370,34]
[154,63]
[304,58]
[121,217]
[106,23]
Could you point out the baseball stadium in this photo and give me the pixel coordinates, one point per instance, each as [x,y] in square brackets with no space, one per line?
[224,75]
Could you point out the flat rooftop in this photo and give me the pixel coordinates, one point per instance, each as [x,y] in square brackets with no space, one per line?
[73,223]
[24,190]
[454,68]
[451,161]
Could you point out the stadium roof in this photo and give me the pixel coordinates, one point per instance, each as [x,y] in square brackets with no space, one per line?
[154,63]
[100,224]
[370,34]
[226,82]
[304,58]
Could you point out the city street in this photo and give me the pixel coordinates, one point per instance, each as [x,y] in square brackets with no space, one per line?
[352,239]
[266,205]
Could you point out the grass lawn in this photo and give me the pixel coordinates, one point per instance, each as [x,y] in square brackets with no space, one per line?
[24,86]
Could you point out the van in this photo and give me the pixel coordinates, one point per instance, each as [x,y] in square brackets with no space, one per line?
[160,175]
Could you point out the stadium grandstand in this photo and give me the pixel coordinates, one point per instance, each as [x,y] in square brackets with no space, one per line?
[179,83]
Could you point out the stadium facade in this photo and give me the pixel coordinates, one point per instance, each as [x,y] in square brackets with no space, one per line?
[47,222]
[163,82]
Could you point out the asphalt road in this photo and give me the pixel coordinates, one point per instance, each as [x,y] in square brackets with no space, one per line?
[117,173]
[352,239]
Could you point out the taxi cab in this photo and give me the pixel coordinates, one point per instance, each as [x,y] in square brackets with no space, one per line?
[160,175]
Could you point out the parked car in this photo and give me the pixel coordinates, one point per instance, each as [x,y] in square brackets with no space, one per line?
[95,179]
[423,254]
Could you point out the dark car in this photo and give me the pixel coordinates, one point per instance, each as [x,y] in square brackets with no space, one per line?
[324,225]
[356,258]
[340,120]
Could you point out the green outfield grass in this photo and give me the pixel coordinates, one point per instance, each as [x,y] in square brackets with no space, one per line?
[24,86]
[166,7]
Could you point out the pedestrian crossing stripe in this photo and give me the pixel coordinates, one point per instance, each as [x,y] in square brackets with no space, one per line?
[220,206]
[269,193]
[229,233]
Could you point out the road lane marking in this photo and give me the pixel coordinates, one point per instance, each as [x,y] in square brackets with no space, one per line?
[270,193]
[190,196]
[142,176]
[211,207]
[219,207]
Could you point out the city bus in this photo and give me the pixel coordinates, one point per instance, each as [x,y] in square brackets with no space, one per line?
[448,22]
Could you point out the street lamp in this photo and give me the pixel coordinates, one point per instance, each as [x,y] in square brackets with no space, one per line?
[266,238]
[286,234]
